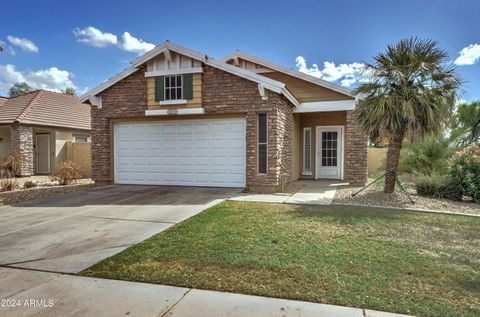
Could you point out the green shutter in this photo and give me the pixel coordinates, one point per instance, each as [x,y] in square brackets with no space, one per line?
[159,89]
[187,86]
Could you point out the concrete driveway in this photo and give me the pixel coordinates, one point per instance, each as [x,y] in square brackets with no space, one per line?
[70,233]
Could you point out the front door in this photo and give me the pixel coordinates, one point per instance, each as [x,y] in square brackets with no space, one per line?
[42,153]
[329,152]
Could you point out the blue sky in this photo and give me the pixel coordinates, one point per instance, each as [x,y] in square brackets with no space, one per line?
[50,44]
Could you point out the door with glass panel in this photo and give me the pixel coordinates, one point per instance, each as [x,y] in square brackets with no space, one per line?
[329,152]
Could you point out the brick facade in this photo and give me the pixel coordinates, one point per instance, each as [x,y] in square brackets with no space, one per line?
[226,93]
[22,142]
[222,93]
[356,147]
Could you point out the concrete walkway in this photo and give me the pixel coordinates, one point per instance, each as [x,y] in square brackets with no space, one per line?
[51,294]
[313,192]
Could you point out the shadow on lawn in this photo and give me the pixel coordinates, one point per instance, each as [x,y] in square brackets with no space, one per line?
[351,214]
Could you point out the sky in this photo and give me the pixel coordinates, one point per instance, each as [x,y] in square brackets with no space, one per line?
[59,44]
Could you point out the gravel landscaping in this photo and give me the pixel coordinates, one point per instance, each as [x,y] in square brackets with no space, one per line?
[374,196]
[45,188]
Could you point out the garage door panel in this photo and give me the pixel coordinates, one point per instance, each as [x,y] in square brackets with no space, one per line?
[196,153]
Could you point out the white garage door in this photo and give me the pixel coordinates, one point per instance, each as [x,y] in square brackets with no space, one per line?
[187,152]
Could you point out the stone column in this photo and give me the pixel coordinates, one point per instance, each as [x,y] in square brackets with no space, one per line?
[356,147]
[22,142]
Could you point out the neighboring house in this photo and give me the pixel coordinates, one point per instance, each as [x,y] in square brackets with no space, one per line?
[37,124]
[179,117]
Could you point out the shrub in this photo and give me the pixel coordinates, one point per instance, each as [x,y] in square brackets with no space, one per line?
[439,186]
[29,184]
[11,164]
[68,172]
[425,158]
[465,168]
[8,184]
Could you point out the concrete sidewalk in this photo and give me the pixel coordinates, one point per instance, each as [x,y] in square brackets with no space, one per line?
[313,192]
[51,294]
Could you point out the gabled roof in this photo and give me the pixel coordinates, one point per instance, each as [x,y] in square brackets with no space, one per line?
[288,71]
[45,108]
[268,83]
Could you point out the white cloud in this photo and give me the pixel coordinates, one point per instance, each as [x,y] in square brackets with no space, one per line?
[468,55]
[94,37]
[132,44]
[51,78]
[346,74]
[24,44]
[11,51]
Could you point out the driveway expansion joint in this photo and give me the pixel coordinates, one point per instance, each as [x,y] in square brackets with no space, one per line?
[176,303]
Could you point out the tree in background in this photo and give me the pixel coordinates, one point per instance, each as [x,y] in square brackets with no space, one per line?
[466,124]
[70,91]
[408,95]
[19,88]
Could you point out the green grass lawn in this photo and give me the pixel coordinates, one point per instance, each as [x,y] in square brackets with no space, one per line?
[406,262]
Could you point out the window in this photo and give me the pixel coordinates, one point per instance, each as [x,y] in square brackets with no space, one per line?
[81,138]
[173,87]
[262,143]
[307,151]
[329,148]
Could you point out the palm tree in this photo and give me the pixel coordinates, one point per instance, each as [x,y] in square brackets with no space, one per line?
[410,90]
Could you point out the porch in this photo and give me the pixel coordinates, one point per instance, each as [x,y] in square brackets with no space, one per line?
[329,145]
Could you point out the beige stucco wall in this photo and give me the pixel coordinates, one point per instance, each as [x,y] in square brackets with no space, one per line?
[5,140]
[61,138]
[80,153]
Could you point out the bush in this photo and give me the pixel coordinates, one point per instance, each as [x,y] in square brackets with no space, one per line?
[29,184]
[465,168]
[425,158]
[68,172]
[8,184]
[439,186]
[11,164]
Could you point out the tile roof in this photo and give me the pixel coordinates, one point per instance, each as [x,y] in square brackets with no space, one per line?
[46,108]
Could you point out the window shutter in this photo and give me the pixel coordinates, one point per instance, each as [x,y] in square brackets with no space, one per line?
[307,151]
[159,89]
[188,86]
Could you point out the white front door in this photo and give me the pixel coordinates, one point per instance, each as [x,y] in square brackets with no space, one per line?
[207,152]
[329,163]
[42,153]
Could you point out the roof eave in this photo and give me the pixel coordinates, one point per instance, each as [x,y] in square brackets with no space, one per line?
[288,71]
[268,83]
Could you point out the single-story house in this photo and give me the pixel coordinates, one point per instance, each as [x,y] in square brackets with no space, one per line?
[37,124]
[179,117]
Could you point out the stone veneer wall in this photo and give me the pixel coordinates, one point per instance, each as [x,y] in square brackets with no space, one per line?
[127,98]
[222,93]
[356,152]
[22,142]
[226,93]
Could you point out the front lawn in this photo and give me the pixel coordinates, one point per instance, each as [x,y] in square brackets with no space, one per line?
[406,262]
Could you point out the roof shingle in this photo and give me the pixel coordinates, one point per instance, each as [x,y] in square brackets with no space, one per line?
[46,108]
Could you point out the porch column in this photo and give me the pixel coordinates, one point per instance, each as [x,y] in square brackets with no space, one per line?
[356,147]
[22,142]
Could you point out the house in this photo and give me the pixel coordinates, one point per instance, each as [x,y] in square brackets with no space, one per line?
[37,124]
[179,117]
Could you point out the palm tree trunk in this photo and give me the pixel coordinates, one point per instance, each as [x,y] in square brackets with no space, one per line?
[393,158]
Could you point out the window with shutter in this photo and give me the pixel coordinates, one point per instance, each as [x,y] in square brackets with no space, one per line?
[174,88]
[307,151]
